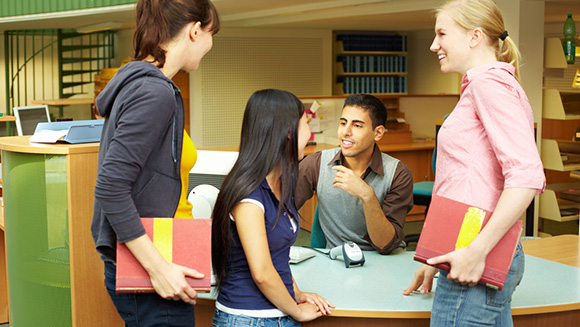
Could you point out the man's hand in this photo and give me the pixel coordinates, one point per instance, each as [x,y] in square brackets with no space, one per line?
[349,182]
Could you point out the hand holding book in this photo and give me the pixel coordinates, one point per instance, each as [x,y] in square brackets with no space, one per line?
[169,281]
[449,227]
[466,265]
[180,266]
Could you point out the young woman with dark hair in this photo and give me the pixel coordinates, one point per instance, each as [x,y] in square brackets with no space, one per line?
[255,220]
[145,155]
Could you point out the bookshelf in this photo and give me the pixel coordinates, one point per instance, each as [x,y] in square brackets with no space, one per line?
[374,63]
[556,209]
[560,155]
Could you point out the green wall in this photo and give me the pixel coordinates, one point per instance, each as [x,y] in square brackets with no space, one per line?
[29,7]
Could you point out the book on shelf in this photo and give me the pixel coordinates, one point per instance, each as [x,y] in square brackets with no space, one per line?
[570,195]
[373,84]
[373,64]
[452,225]
[569,212]
[372,41]
[186,242]
[570,158]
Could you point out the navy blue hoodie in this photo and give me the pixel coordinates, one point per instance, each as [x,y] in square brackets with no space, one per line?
[139,155]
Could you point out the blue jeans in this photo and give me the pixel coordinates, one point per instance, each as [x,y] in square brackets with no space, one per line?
[221,319]
[147,309]
[458,305]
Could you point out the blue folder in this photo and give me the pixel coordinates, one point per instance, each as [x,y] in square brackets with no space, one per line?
[79,131]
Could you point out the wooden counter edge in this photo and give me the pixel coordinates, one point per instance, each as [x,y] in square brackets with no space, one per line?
[545,309]
[393,96]
[23,145]
[63,102]
[7,118]
[357,313]
[427,314]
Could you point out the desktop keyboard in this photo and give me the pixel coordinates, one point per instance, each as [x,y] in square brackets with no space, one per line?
[298,254]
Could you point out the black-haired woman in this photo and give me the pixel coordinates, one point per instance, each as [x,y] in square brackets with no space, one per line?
[255,220]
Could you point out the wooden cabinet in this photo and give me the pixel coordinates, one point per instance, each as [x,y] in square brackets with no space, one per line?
[560,154]
[370,63]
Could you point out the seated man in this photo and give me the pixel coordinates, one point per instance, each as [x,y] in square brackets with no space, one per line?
[363,195]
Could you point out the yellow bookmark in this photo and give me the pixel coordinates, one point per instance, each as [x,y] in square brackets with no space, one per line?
[163,237]
[470,227]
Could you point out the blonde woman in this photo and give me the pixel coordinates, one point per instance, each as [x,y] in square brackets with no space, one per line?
[486,156]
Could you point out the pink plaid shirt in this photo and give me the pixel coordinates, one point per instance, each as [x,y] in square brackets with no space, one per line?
[487,143]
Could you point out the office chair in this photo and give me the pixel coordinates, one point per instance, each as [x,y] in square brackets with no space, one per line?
[317,238]
[28,117]
[422,190]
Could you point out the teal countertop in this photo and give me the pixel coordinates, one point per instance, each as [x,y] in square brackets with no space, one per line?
[376,288]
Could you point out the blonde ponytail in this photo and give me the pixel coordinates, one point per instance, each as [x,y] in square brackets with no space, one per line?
[509,52]
[486,15]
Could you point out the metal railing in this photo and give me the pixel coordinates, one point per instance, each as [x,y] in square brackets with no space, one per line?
[53,64]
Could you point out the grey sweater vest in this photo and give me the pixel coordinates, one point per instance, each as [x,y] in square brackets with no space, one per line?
[340,214]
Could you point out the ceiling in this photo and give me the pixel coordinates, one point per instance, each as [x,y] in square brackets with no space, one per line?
[399,15]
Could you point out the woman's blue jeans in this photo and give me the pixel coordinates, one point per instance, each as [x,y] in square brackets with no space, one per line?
[222,319]
[458,305]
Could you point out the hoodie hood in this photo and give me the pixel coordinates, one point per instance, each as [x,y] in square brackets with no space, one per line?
[125,75]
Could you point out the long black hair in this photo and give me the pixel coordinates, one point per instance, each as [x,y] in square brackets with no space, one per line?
[269,141]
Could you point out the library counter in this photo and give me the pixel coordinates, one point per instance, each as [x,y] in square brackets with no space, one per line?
[50,254]
[372,294]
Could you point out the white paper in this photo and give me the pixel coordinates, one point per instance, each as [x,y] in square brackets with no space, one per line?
[48,136]
[315,105]
[314,124]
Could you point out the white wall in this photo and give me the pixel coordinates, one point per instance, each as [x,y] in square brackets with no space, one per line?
[425,76]
[123,46]
[243,61]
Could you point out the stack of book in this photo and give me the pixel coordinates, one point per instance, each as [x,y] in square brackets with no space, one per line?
[372,42]
[570,195]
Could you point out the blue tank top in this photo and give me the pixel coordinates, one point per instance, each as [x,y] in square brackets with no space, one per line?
[238,289]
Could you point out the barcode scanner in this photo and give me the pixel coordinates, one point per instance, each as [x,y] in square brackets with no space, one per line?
[351,253]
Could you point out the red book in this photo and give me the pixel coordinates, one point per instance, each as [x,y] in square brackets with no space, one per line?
[451,225]
[186,242]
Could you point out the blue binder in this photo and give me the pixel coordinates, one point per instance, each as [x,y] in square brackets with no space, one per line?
[79,131]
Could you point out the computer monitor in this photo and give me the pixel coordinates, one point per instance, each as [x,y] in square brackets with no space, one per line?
[211,168]
[28,117]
